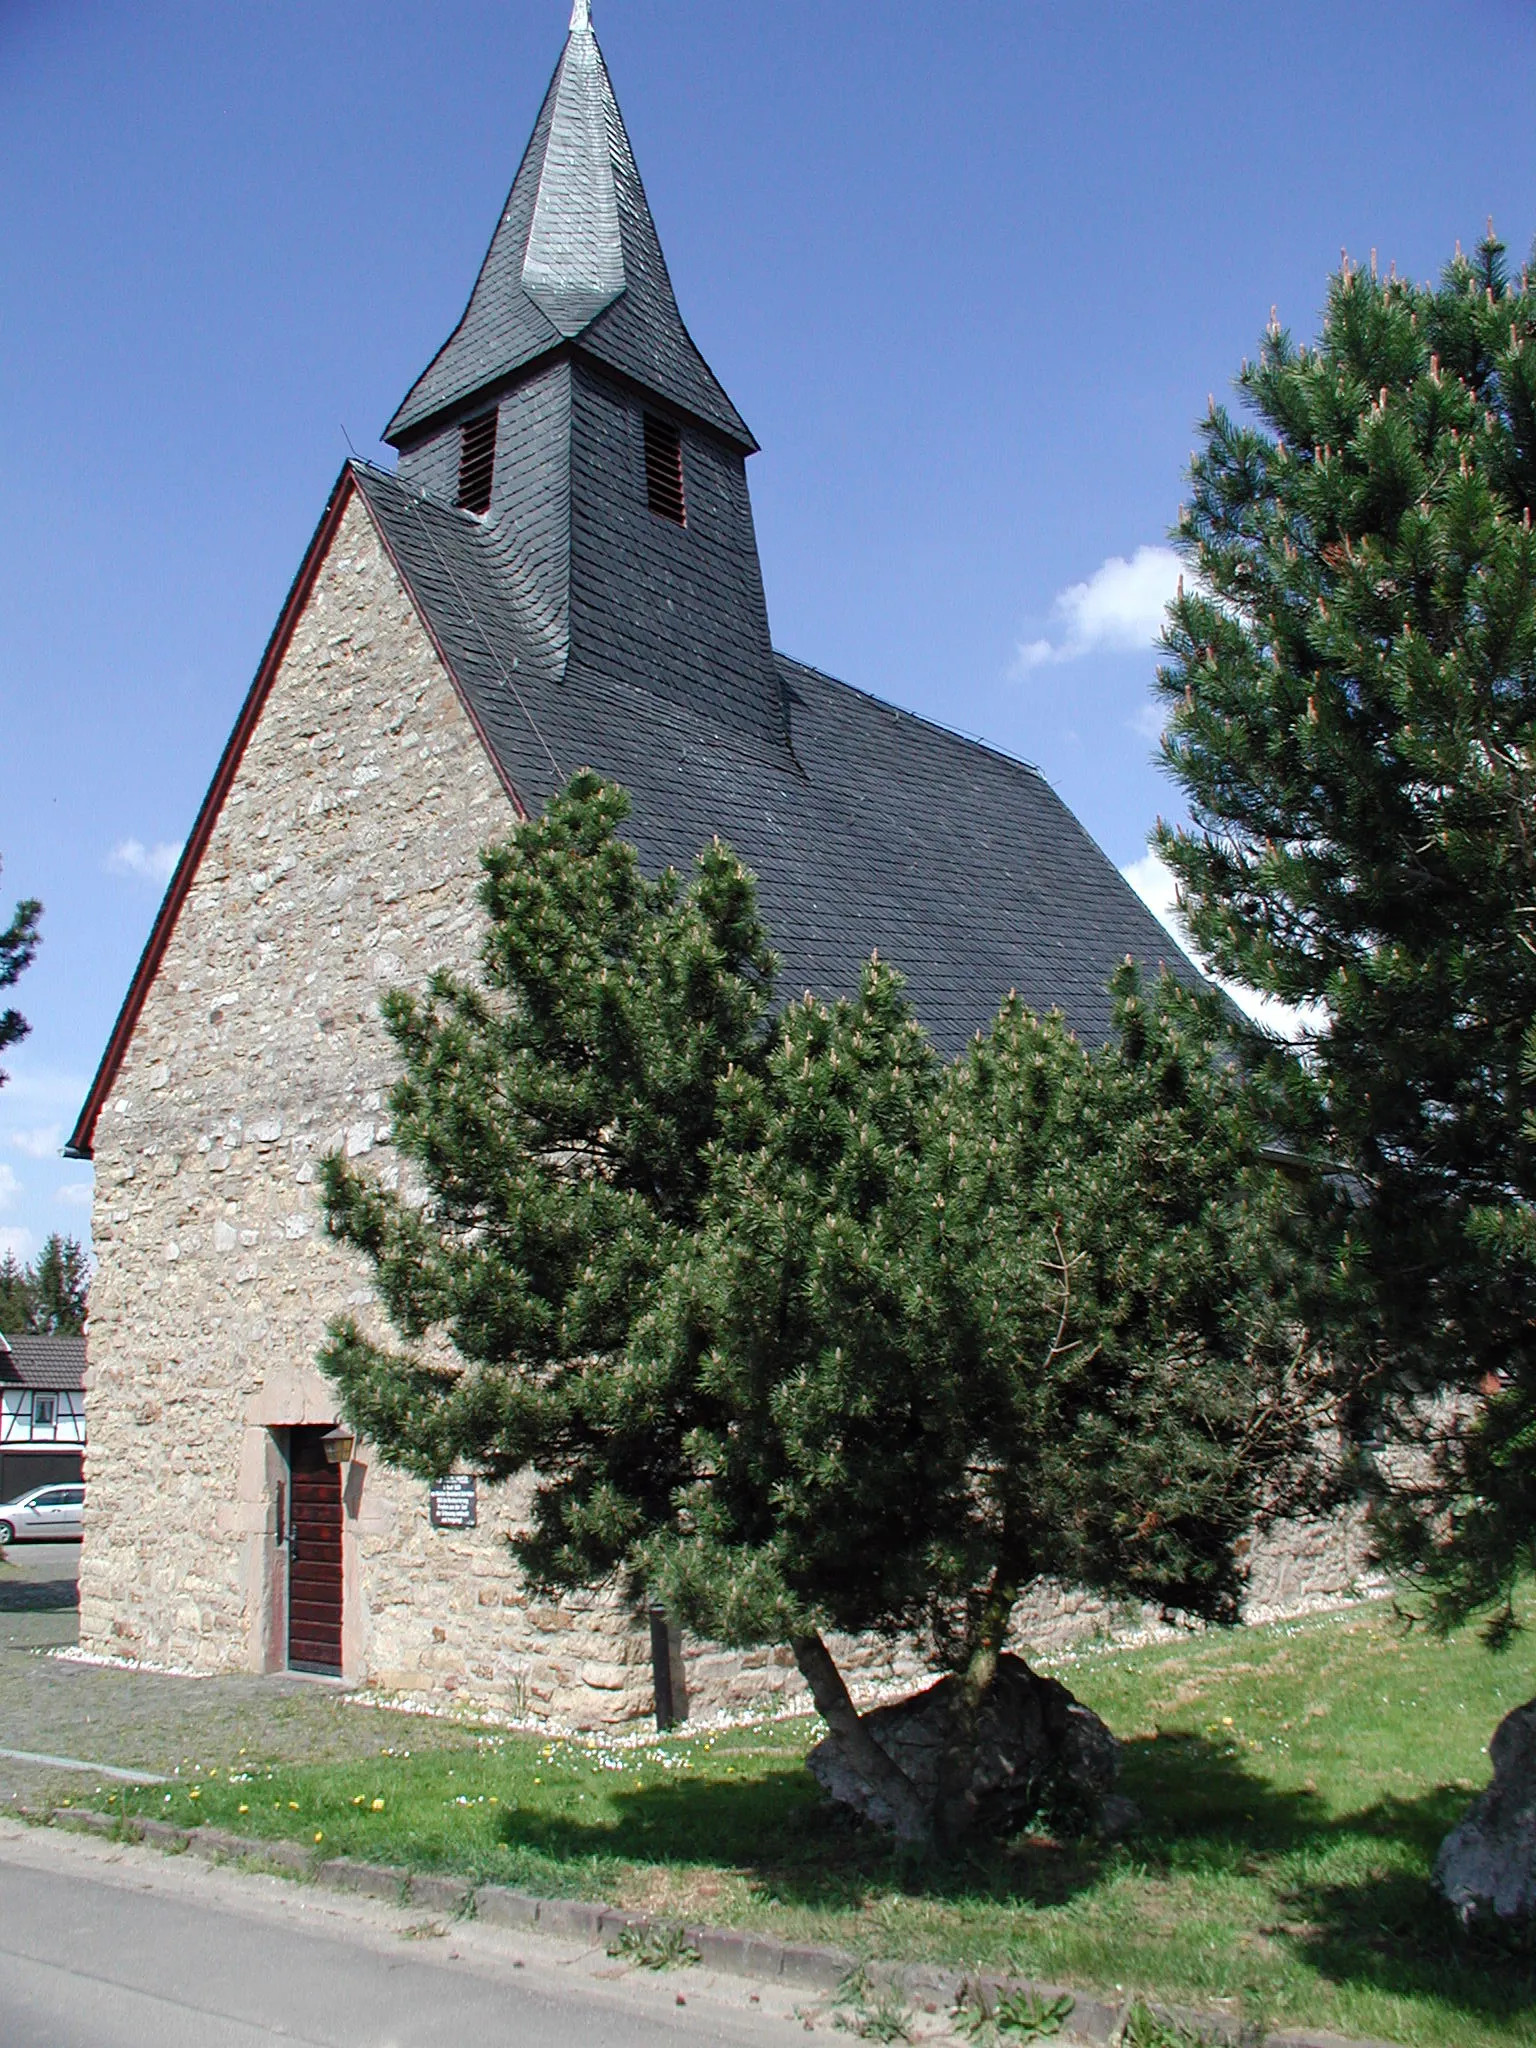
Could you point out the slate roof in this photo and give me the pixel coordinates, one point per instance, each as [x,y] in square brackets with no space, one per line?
[575,256]
[866,826]
[872,828]
[52,1363]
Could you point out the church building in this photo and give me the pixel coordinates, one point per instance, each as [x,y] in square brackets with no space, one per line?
[559,572]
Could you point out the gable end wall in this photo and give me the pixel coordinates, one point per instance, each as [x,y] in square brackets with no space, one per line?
[344,861]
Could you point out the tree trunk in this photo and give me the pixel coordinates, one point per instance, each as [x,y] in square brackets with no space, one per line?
[955,1809]
[914,1822]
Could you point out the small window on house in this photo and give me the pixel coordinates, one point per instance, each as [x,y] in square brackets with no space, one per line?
[42,1411]
[477,462]
[664,470]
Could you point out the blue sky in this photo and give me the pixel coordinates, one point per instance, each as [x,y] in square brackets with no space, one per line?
[969,270]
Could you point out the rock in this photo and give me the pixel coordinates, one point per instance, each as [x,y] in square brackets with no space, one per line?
[1035,1748]
[1487,1863]
[1117,1817]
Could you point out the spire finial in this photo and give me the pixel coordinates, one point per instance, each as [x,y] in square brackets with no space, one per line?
[581,17]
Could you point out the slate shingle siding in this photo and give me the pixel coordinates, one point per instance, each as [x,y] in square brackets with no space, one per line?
[676,610]
[641,334]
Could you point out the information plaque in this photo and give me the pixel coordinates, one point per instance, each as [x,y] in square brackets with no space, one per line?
[452,1502]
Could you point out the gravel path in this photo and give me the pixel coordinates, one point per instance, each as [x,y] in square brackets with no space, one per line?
[148,1720]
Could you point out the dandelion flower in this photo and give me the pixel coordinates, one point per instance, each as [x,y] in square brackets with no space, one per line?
[194,1793]
[293,1806]
[243,1807]
[378,1806]
[358,1800]
[319,1835]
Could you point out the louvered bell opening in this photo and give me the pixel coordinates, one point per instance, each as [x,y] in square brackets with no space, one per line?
[664,470]
[477,462]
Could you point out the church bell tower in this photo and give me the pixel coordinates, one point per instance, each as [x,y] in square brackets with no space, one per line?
[571,414]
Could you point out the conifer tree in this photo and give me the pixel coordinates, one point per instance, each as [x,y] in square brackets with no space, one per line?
[1127,1278]
[18,943]
[60,1286]
[15,1295]
[1351,687]
[51,1294]
[795,1327]
[950,1332]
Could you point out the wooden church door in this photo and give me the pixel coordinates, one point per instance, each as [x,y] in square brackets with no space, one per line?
[314,1555]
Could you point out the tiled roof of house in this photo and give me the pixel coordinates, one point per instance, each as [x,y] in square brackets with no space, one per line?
[575,259]
[872,829]
[29,1359]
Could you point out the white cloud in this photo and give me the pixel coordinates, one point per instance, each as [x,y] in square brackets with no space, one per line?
[17,1244]
[43,1143]
[1118,610]
[76,1194]
[150,863]
[1154,884]
[10,1187]
[1152,879]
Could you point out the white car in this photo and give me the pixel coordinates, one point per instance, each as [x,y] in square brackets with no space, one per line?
[48,1514]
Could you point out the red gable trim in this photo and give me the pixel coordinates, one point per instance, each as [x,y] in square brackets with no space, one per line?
[83,1136]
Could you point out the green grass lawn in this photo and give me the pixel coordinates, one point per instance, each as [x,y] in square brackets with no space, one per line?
[1295,1781]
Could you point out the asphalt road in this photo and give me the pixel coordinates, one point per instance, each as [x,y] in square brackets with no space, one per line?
[103,1946]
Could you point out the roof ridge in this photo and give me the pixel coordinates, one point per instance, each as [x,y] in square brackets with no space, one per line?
[952,732]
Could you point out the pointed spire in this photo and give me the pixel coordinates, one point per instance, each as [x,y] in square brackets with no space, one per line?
[574,265]
[575,258]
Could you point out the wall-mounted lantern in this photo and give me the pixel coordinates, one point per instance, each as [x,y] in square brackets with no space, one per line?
[338,1444]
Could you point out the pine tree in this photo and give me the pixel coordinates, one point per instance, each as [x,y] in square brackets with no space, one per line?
[1127,1277]
[60,1285]
[796,1328]
[558,1114]
[950,1332]
[15,1295]
[52,1294]
[18,943]
[1351,687]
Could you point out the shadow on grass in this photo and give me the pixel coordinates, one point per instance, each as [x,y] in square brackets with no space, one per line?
[1351,1892]
[800,1849]
[1386,1929]
[1203,1810]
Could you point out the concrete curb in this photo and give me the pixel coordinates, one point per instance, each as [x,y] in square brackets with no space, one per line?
[758,1956]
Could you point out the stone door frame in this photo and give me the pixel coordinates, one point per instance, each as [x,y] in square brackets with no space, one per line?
[288,1400]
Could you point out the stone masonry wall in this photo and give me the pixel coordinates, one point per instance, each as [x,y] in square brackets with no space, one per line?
[345,861]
